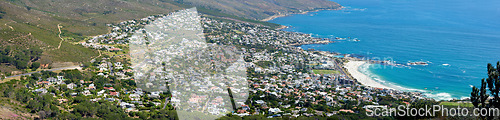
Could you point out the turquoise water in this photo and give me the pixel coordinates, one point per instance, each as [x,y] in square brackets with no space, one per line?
[457,37]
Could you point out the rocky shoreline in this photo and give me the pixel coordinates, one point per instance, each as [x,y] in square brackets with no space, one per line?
[304,12]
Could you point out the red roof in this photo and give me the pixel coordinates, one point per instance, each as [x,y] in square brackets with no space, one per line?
[108,88]
[115,49]
[44,82]
[242,111]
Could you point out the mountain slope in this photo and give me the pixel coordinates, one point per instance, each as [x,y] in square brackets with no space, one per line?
[260,9]
[26,24]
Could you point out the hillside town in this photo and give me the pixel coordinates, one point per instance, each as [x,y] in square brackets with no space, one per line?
[279,78]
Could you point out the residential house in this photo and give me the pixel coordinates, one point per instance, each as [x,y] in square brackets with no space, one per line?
[91,87]
[72,86]
[274,110]
[117,94]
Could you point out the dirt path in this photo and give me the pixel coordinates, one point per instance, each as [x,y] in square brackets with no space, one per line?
[59,35]
[100,54]
[29,34]
[60,43]
[12,28]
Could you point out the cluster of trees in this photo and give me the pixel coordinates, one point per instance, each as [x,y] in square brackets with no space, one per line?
[100,109]
[162,114]
[21,58]
[42,75]
[1,13]
[106,110]
[479,96]
[72,74]
[43,105]
[11,90]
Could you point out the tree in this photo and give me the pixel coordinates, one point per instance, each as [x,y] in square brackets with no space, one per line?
[21,64]
[474,97]
[493,81]
[479,96]
[67,116]
[47,74]
[86,65]
[35,66]
[142,115]
[72,74]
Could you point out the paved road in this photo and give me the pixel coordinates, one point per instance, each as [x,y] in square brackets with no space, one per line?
[337,65]
[55,69]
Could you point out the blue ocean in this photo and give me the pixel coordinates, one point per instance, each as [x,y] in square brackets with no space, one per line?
[458,38]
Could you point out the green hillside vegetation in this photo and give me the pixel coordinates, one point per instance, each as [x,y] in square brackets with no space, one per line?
[26,24]
[89,17]
[21,58]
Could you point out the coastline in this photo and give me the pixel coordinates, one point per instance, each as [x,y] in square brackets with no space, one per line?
[308,43]
[305,12]
[282,27]
[274,17]
[353,68]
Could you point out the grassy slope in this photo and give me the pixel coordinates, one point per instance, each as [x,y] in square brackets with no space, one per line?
[79,16]
[37,21]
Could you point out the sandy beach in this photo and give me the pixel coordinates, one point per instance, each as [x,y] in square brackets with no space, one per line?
[352,68]
[282,27]
[304,12]
[284,15]
[273,17]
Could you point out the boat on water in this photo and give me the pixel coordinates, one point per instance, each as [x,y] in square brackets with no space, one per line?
[337,38]
[417,63]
